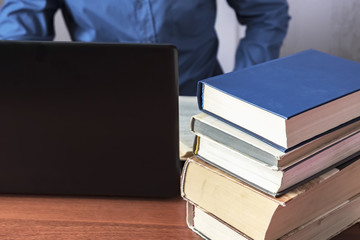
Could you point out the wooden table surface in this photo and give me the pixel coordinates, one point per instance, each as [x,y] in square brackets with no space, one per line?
[48,217]
[42,217]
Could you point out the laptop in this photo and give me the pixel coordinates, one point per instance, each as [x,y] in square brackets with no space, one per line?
[89,119]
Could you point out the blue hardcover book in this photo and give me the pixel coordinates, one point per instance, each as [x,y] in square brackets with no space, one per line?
[287,101]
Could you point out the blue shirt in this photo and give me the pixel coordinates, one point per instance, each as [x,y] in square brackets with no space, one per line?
[188,24]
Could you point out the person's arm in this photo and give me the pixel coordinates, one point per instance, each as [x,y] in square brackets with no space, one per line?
[28,19]
[266,24]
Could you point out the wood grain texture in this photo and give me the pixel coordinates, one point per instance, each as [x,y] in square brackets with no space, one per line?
[65,218]
[39,217]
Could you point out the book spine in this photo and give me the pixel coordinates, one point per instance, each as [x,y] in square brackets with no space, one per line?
[196,145]
[182,179]
[190,215]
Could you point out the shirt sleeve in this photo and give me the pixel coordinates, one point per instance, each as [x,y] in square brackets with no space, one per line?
[28,19]
[266,24]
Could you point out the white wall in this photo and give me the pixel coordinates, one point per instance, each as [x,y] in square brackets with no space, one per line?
[61,32]
[331,26]
[229,32]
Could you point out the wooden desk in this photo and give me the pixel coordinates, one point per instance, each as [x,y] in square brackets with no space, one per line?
[42,217]
[34,217]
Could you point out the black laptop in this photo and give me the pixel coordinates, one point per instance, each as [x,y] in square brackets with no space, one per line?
[89,119]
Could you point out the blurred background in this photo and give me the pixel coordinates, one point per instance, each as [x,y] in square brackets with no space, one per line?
[331,26]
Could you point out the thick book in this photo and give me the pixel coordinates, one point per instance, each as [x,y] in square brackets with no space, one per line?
[322,227]
[203,124]
[286,101]
[258,215]
[268,178]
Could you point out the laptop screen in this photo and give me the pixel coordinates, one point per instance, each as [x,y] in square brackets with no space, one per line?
[89,118]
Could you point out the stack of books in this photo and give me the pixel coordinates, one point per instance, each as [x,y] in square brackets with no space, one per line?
[276,152]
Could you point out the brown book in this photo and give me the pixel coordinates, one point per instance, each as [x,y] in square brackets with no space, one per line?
[261,216]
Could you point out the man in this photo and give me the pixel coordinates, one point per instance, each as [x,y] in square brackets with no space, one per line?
[188,24]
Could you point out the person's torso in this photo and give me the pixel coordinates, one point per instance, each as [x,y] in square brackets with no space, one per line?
[188,24]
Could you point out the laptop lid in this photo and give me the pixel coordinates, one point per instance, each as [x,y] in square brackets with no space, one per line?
[89,119]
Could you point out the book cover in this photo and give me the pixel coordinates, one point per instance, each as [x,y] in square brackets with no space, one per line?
[288,100]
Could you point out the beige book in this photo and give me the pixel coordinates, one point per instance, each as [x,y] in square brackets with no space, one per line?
[257,214]
[322,227]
